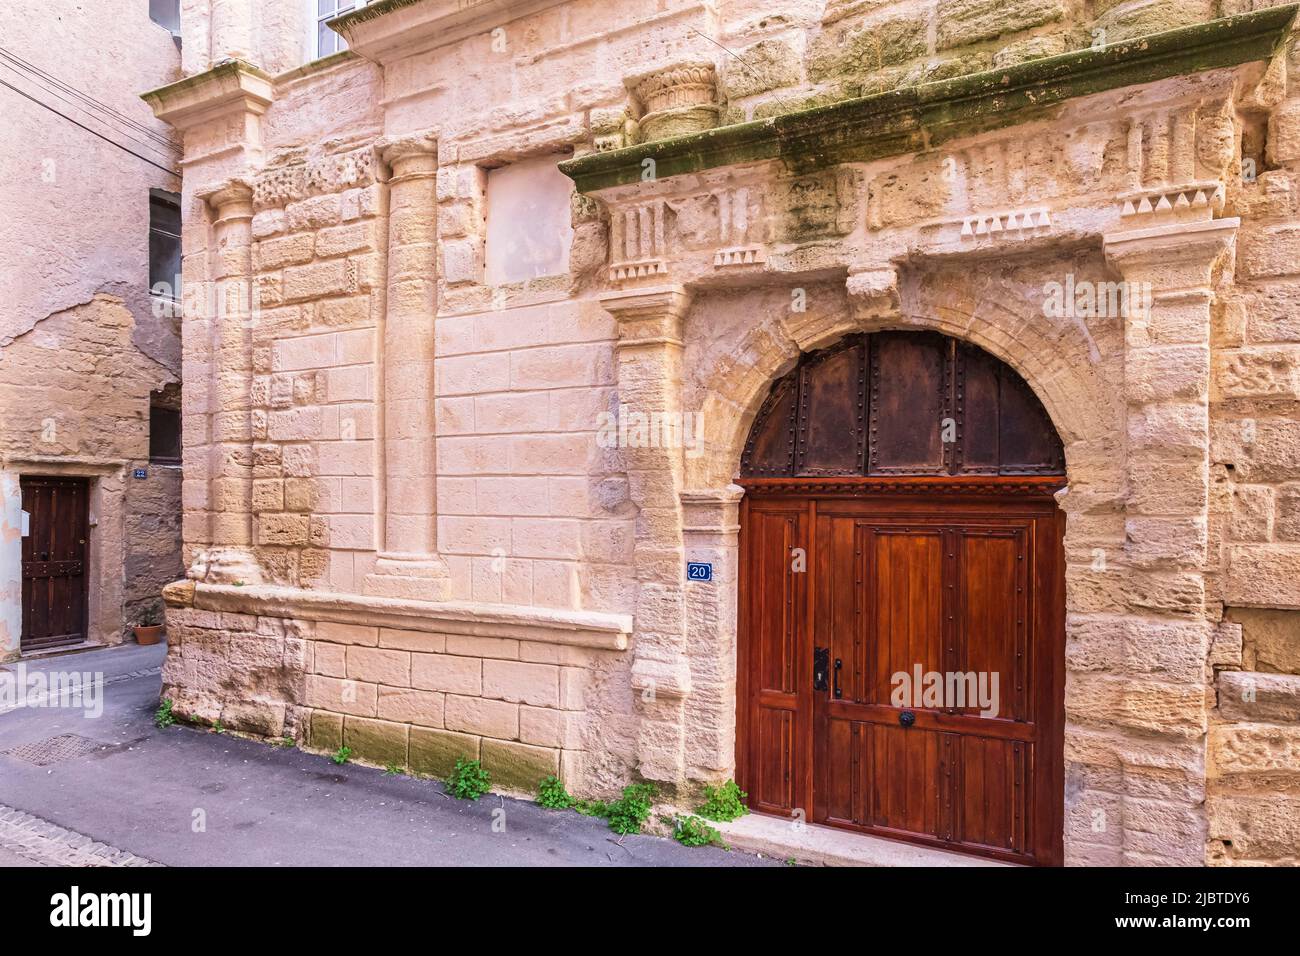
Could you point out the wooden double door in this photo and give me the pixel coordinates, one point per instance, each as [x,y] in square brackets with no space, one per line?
[54,561]
[901,661]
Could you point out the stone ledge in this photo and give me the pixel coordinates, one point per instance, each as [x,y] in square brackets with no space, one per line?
[607,632]
[388,30]
[827,846]
[920,117]
[65,464]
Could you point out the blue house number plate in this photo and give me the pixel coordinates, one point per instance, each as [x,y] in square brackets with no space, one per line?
[698,571]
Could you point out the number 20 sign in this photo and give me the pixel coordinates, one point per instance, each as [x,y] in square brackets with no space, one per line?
[699,571]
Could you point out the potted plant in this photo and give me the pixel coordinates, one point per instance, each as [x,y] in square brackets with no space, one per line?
[149,630]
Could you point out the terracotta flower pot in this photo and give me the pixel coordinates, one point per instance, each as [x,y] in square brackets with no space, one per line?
[148,634]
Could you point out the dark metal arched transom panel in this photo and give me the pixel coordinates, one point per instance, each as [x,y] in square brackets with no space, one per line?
[901,403]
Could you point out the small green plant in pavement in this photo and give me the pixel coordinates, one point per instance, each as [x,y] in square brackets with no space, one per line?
[468,781]
[630,811]
[163,716]
[552,795]
[723,803]
[692,831]
[219,727]
[342,755]
[393,770]
[286,741]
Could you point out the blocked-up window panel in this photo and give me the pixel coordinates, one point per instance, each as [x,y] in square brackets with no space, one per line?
[529,221]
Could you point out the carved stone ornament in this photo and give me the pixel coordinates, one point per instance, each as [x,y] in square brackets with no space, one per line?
[677,101]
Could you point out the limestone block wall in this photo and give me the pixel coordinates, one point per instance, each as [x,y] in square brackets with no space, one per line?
[1253,787]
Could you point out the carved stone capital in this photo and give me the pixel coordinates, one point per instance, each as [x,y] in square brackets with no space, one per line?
[408,153]
[712,511]
[1189,249]
[229,199]
[652,316]
[677,100]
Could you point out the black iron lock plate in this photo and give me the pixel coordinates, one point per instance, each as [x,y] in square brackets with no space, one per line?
[821,668]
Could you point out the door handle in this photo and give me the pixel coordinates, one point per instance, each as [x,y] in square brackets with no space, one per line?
[838,664]
[821,665]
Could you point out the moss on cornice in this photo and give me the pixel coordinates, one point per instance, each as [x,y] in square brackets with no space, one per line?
[369,12]
[219,70]
[919,117]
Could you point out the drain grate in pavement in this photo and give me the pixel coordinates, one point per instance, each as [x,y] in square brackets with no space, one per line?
[54,749]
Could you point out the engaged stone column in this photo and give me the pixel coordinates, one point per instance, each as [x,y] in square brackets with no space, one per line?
[712,534]
[409,565]
[1168,274]
[649,384]
[229,558]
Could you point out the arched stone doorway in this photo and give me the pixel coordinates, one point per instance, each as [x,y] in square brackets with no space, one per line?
[901,613]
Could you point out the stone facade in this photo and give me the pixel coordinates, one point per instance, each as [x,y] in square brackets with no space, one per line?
[83,345]
[404,530]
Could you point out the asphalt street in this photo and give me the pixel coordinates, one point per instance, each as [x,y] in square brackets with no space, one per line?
[120,790]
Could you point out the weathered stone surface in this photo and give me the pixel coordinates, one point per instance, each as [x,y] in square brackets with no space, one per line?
[1267,575]
[1246,829]
[434,752]
[766,65]
[1271,638]
[970,21]
[379,742]
[1257,696]
[1267,750]
[325,731]
[862,49]
[518,767]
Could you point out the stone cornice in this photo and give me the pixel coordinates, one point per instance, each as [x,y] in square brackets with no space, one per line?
[920,117]
[392,29]
[592,629]
[230,86]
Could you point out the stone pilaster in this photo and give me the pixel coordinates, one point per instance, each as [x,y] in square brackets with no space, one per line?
[711,533]
[649,383]
[229,558]
[1168,273]
[409,565]
[219,116]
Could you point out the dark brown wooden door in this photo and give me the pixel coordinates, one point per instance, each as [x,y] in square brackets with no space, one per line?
[939,622]
[902,600]
[54,562]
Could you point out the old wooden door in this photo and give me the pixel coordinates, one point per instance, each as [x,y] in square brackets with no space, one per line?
[54,562]
[902,616]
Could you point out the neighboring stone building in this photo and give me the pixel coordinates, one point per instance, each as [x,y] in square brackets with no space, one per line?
[89,223]
[509,311]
